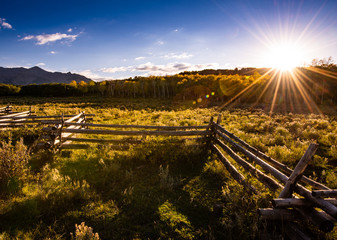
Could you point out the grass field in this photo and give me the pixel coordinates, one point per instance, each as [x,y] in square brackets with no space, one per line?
[157,190]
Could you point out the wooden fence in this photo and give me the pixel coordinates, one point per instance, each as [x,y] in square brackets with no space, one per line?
[295,202]
[10,119]
[61,135]
[27,118]
[5,110]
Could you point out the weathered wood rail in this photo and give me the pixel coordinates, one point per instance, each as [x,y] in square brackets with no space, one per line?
[10,119]
[314,206]
[27,118]
[61,134]
[295,203]
[5,110]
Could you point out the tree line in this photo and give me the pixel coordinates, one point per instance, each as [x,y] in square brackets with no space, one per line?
[318,81]
[181,86]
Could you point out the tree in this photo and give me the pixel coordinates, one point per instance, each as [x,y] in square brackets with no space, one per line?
[83,87]
[101,87]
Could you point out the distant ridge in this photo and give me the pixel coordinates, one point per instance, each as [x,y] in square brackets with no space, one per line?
[240,71]
[36,75]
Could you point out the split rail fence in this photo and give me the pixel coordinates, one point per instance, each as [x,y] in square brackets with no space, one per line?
[62,135]
[9,119]
[5,110]
[295,203]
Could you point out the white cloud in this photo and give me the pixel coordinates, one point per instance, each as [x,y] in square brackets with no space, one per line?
[41,64]
[53,52]
[172,68]
[162,69]
[116,69]
[70,30]
[89,74]
[152,69]
[177,30]
[4,24]
[177,56]
[139,58]
[160,43]
[48,38]
[28,37]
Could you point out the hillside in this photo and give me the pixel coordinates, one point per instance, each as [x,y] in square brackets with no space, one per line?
[24,76]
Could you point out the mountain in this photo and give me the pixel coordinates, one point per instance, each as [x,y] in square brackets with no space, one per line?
[25,76]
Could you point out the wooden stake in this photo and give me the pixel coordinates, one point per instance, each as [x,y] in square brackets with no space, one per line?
[218,121]
[298,171]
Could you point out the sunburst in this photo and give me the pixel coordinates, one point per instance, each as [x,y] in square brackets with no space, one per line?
[284,56]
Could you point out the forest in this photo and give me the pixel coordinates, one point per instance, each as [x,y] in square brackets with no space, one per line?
[316,83]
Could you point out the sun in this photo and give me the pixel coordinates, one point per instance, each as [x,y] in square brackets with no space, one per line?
[284,56]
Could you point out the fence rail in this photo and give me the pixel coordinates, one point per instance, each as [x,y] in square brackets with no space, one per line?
[288,207]
[5,110]
[26,118]
[60,135]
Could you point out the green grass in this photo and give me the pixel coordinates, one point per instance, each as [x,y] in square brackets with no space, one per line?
[159,189]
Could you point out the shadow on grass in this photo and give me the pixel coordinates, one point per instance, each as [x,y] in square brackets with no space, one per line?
[153,191]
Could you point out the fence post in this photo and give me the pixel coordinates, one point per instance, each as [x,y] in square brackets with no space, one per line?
[62,124]
[298,171]
[84,119]
[218,121]
[210,129]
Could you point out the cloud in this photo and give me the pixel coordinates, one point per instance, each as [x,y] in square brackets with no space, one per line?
[168,68]
[152,69]
[139,58]
[160,43]
[173,68]
[48,38]
[53,52]
[177,56]
[4,24]
[116,69]
[41,64]
[70,30]
[89,74]
[177,30]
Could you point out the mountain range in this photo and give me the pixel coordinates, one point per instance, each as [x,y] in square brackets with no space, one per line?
[25,76]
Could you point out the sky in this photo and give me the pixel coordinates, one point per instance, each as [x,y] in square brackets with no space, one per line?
[118,39]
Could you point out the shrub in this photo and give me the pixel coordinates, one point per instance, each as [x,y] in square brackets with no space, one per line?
[84,232]
[166,181]
[13,165]
[177,225]
[333,151]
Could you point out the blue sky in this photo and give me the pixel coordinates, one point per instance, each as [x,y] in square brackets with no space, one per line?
[121,38]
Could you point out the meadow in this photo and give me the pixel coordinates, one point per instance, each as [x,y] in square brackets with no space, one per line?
[160,189]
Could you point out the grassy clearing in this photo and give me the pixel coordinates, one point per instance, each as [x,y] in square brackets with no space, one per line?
[159,189]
